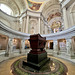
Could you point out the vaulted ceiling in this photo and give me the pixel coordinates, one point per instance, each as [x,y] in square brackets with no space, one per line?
[39,0]
[19,6]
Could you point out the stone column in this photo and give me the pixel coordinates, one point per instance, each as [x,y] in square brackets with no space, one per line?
[70,52]
[39,25]
[68,46]
[73,15]
[27,24]
[22,24]
[71,19]
[22,46]
[45,29]
[41,29]
[65,18]
[49,30]
[9,51]
[16,25]
[55,47]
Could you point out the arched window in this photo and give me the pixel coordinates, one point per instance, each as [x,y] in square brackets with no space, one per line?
[6,9]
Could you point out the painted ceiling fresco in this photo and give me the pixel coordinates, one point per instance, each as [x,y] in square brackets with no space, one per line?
[34,5]
[57,14]
[56,24]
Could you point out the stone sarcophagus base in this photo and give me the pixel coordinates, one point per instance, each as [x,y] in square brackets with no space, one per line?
[37,57]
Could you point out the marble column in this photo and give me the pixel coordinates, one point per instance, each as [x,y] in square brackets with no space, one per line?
[70,51]
[68,46]
[73,14]
[39,25]
[45,29]
[65,18]
[49,31]
[71,19]
[55,47]
[9,51]
[16,25]
[22,24]
[27,24]
[22,46]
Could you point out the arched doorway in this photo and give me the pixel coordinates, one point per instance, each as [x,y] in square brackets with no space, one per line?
[49,44]
[27,44]
[62,45]
[16,44]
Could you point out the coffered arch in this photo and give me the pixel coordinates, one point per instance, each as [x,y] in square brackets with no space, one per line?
[52,9]
[48,4]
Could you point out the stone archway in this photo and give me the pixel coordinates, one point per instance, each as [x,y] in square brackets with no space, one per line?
[16,43]
[62,45]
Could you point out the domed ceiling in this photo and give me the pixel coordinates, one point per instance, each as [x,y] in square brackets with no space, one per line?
[39,0]
[19,6]
[32,5]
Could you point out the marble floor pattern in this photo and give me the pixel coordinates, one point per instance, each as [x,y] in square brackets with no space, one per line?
[5,66]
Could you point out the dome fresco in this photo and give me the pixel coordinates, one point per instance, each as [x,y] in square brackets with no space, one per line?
[19,6]
[42,0]
[34,5]
[39,0]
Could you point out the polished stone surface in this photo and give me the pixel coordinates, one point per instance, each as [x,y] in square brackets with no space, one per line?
[52,67]
[5,66]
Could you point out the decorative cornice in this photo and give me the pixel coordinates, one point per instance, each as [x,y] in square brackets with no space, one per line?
[7,14]
[66,34]
[6,28]
[25,12]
